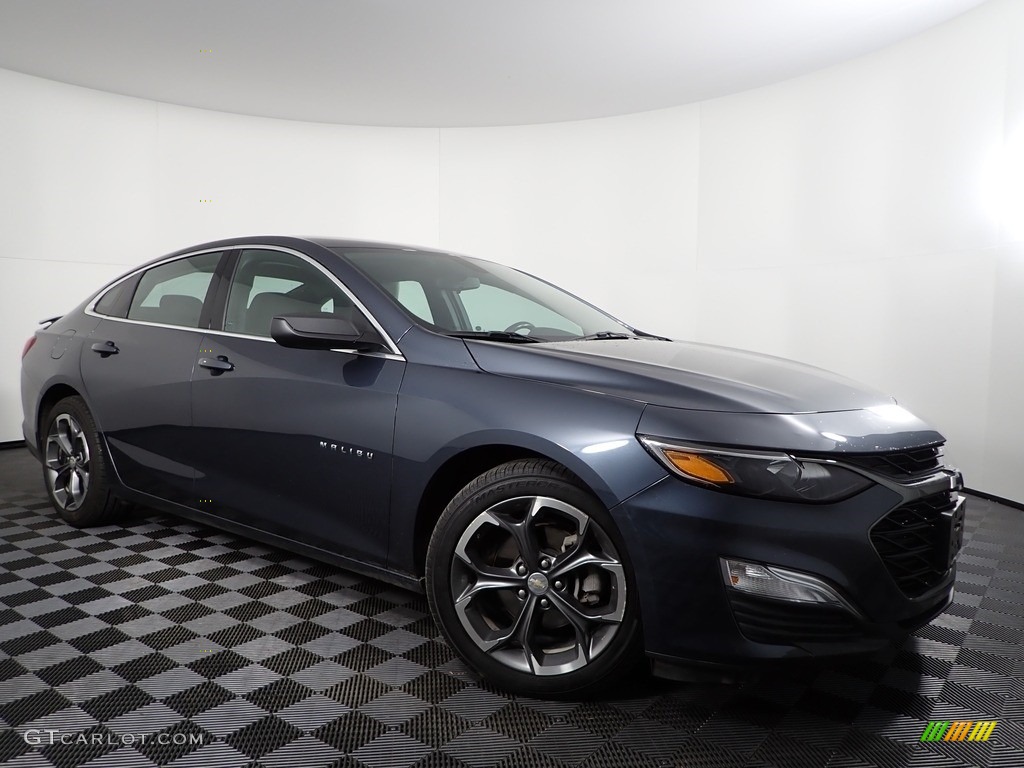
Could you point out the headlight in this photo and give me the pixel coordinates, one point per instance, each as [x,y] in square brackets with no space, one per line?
[762,474]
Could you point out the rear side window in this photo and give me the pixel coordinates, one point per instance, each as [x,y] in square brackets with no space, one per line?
[173,293]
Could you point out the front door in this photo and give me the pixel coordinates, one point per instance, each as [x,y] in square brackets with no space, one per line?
[297,442]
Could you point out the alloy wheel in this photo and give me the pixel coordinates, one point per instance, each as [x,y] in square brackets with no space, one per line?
[538,585]
[67,462]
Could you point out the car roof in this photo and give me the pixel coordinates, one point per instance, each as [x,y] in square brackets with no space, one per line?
[337,242]
[298,242]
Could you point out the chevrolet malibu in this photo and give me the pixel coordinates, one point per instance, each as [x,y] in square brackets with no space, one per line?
[570,492]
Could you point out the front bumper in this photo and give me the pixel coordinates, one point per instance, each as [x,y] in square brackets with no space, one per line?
[677,533]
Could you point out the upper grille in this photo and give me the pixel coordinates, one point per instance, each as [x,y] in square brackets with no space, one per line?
[896,464]
[913,542]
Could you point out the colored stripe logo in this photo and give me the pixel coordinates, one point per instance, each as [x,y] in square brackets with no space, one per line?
[958,730]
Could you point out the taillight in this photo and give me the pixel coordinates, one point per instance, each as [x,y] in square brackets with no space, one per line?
[28,345]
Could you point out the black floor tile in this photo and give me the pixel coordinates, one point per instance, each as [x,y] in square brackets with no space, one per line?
[245,673]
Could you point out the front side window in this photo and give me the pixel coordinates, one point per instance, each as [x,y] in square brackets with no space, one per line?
[174,293]
[268,284]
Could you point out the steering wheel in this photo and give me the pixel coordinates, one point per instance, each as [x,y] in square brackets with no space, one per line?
[521,325]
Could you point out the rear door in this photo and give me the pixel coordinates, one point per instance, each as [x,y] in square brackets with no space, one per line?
[137,369]
[297,442]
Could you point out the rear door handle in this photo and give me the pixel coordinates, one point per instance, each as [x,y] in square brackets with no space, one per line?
[105,348]
[217,365]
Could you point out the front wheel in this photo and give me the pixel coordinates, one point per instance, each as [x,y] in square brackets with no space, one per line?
[529,581]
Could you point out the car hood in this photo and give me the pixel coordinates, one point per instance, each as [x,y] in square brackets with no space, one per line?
[680,375]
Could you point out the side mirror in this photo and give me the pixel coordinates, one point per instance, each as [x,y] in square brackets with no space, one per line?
[319,332]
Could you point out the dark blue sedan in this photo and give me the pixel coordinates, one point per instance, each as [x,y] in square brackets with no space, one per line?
[571,492]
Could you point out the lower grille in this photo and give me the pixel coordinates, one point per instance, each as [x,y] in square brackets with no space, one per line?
[913,542]
[781,622]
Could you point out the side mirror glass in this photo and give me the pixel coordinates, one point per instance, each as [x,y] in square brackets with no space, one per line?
[324,332]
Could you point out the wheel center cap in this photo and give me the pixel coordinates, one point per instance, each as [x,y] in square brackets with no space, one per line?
[538,583]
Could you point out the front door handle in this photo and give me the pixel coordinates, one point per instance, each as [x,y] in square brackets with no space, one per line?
[217,365]
[105,348]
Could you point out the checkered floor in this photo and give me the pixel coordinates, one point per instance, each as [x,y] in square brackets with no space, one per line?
[159,642]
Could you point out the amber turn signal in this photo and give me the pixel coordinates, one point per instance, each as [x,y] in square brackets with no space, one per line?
[698,467]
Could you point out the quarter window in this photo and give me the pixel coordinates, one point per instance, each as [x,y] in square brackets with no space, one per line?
[113,302]
[174,293]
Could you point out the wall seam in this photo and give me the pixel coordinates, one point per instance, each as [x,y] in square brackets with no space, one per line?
[439,200]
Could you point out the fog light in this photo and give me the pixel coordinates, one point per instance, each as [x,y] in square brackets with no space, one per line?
[778,583]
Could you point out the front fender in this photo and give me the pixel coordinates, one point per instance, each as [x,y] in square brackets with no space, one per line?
[592,435]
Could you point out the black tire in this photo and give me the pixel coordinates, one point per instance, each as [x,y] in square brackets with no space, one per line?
[516,628]
[77,481]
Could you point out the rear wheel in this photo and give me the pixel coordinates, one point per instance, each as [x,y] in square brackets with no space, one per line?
[529,582]
[75,466]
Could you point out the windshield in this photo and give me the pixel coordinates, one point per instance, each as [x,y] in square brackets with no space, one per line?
[468,297]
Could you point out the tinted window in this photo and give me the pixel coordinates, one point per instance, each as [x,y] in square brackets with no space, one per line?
[492,308]
[173,293]
[412,296]
[454,293]
[113,302]
[268,284]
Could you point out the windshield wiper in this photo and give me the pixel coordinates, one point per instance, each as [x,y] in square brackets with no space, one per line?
[605,335]
[645,335]
[514,338]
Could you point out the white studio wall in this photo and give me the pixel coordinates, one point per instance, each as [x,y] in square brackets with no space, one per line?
[116,181]
[95,183]
[76,205]
[849,218]
[606,208]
